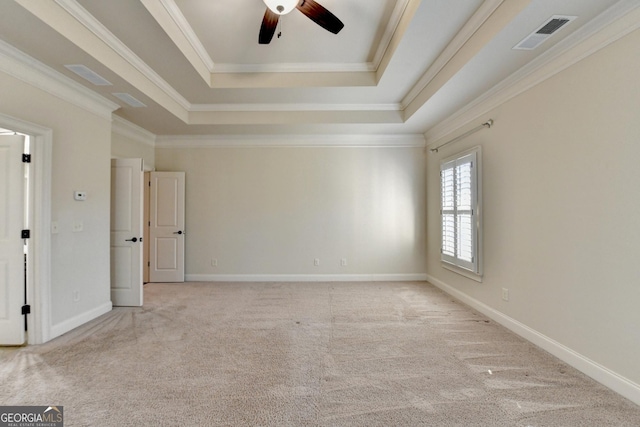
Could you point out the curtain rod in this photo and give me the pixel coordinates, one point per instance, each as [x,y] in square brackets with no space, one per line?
[486,124]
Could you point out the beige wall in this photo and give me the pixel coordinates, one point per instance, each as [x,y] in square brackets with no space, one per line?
[126,147]
[274,210]
[81,153]
[562,209]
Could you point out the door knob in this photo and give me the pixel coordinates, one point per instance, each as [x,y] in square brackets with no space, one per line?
[178,232]
[135,239]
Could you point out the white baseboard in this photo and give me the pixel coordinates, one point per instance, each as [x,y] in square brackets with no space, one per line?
[603,375]
[79,320]
[305,277]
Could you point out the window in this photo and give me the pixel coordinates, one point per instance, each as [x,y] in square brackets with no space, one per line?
[460,211]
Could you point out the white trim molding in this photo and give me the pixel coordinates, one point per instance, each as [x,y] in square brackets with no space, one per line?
[602,374]
[306,277]
[39,257]
[613,24]
[294,107]
[23,67]
[179,19]
[79,320]
[82,16]
[125,128]
[168,14]
[361,67]
[348,141]
[462,37]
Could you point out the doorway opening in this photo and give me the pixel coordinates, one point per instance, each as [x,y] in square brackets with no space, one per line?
[37,220]
[16,205]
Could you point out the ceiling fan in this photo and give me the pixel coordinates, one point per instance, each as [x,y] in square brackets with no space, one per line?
[314,11]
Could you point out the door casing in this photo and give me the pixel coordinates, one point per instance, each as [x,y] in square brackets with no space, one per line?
[39,255]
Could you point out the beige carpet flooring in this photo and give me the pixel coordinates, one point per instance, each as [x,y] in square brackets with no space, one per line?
[303,354]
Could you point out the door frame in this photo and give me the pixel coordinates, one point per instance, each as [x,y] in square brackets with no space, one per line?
[39,255]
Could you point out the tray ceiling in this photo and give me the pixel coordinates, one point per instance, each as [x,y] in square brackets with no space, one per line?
[396,67]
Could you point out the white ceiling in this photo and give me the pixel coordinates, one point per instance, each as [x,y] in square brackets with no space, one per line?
[397,67]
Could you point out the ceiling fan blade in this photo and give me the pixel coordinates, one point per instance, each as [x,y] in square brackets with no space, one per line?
[320,16]
[268,27]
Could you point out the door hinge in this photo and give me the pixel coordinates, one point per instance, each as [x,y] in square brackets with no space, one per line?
[26,158]
[26,309]
[148,263]
[26,234]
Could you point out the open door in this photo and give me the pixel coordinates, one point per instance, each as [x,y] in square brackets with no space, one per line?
[12,279]
[146,224]
[126,232]
[166,233]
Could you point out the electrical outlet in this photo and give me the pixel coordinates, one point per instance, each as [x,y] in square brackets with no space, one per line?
[55,227]
[316,262]
[76,296]
[343,262]
[505,294]
[78,226]
[214,262]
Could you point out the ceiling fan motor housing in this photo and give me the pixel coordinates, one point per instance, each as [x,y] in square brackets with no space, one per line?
[281,7]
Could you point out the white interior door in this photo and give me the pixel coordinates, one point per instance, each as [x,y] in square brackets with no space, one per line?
[146,223]
[166,251]
[11,242]
[126,232]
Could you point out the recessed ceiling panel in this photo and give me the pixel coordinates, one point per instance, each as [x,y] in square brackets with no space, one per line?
[228,30]
[452,51]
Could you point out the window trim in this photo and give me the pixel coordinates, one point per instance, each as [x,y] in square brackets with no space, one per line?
[452,263]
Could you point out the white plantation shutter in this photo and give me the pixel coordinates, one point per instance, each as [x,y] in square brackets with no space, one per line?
[459,211]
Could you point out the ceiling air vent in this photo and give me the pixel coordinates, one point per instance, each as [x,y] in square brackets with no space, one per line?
[88,74]
[129,99]
[544,31]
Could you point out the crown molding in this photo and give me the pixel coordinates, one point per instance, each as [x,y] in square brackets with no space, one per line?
[390,31]
[23,67]
[362,67]
[466,32]
[80,14]
[616,22]
[279,141]
[292,79]
[132,131]
[490,19]
[293,107]
[169,16]
[176,14]
[395,36]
